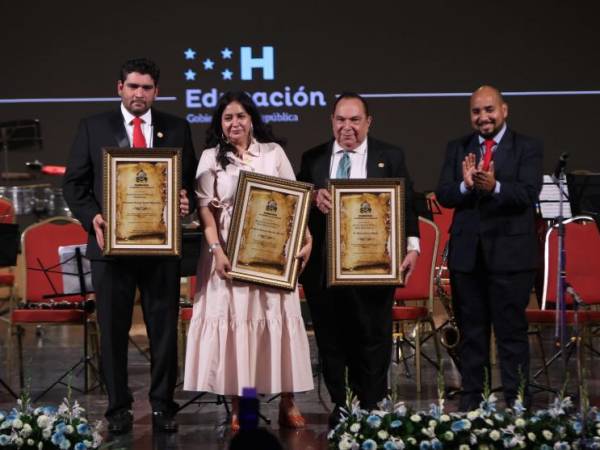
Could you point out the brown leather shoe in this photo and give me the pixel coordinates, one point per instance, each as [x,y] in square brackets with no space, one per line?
[289,420]
[235,423]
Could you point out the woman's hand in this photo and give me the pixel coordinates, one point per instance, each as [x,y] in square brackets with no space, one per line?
[304,253]
[222,264]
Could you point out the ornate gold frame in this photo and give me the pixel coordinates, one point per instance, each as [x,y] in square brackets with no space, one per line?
[122,211]
[376,273]
[247,218]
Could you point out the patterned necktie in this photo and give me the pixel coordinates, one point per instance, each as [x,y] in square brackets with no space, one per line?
[343,169]
[487,156]
[139,141]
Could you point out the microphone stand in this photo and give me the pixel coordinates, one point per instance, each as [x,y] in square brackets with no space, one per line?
[562,287]
[559,327]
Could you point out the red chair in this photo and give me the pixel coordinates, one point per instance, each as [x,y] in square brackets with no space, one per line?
[43,286]
[414,302]
[582,269]
[7,276]
[442,217]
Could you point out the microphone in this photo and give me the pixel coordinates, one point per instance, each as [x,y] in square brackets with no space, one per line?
[560,166]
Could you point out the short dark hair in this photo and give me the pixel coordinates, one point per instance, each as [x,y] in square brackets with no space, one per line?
[144,66]
[348,95]
[262,132]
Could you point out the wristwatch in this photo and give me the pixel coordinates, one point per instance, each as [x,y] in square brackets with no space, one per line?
[212,247]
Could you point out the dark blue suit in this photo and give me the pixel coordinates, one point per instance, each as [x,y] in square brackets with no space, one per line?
[492,258]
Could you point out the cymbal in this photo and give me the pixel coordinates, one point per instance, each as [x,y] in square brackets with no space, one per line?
[16,176]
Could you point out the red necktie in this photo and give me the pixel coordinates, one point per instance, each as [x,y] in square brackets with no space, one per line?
[487,157]
[139,141]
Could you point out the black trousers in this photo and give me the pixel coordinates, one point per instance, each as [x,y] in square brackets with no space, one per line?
[353,328]
[115,282]
[483,299]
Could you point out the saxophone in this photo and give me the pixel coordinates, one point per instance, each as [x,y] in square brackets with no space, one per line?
[449,332]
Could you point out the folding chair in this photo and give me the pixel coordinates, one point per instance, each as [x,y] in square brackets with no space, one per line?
[582,269]
[44,299]
[419,293]
[7,228]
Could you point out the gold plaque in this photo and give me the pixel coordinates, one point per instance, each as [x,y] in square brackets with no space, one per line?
[366,232]
[267,229]
[141,201]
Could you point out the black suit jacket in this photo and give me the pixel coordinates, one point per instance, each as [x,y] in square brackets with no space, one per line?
[82,184]
[383,161]
[504,222]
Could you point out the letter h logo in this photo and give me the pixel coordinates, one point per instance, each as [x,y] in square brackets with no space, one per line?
[266,63]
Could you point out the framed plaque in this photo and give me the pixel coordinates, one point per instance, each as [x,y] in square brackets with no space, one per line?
[365,232]
[267,229]
[141,201]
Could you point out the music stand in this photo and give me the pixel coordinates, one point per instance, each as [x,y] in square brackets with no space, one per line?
[585,193]
[9,246]
[18,134]
[76,281]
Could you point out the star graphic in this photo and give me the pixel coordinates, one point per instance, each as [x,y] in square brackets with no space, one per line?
[226,53]
[190,75]
[227,74]
[208,64]
[189,54]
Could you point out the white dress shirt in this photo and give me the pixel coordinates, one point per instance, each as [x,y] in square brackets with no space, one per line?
[358,169]
[497,138]
[147,127]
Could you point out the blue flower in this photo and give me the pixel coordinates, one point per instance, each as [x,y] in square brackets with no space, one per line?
[80,446]
[60,427]
[369,444]
[424,445]
[84,428]
[389,445]
[374,421]
[435,411]
[4,439]
[12,415]
[396,423]
[65,444]
[436,444]
[459,425]
[57,438]
[577,426]
[49,410]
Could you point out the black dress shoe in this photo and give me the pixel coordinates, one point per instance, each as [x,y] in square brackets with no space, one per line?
[120,422]
[334,417]
[164,422]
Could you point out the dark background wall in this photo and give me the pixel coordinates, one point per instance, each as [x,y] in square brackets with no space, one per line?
[73,50]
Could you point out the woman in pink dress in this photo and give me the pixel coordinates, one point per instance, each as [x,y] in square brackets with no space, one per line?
[241,334]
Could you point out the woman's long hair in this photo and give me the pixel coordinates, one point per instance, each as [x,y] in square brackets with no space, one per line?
[260,130]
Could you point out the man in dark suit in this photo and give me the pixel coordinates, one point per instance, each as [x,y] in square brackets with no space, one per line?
[353,325]
[492,178]
[134,124]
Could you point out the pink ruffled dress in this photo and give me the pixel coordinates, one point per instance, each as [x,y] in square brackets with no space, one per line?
[241,334]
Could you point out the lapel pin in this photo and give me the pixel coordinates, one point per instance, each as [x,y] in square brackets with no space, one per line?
[381,165]
[160,135]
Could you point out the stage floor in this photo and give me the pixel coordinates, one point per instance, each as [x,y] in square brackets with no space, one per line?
[55,349]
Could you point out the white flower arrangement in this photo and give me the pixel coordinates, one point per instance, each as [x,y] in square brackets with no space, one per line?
[47,428]
[398,427]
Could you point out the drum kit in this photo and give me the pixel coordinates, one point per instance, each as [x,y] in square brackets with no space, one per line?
[37,200]
[40,200]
